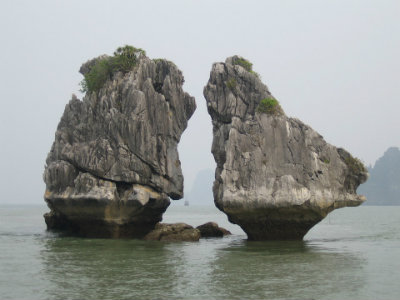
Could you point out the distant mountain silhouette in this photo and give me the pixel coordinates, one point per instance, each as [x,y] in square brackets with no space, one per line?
[383,186]
[201,192]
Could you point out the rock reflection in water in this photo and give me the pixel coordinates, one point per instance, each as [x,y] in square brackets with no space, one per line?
[108,269]
[285,270]
[228,268]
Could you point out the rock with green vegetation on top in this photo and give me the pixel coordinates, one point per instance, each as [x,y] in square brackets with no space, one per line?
[276,177]
[114,163]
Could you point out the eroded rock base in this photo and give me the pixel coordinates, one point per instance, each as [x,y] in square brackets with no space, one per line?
[104,218]
[277,224]
[276,230]
[96,228]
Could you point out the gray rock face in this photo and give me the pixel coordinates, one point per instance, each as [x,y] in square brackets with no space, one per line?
[276,177]
[114,162]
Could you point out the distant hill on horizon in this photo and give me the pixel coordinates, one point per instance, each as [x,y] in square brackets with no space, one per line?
[383,185]
[201,192]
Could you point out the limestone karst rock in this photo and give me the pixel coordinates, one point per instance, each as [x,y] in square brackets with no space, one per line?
[276,177]
[114,162]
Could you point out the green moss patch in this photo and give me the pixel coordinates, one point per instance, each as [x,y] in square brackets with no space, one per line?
[326,160]
[231,84]
[269,106]
[245,64]
[355,165]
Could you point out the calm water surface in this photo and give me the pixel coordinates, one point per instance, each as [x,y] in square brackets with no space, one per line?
[352,254]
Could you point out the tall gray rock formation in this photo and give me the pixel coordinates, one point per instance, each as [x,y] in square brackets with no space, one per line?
[114,162]
[276,177]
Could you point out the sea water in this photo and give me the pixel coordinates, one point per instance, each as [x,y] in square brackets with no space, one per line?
[352,254]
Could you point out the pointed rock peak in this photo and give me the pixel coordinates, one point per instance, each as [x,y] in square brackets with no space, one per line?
[241,92]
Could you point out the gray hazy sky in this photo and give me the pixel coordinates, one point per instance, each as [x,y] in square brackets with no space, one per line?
[333,64]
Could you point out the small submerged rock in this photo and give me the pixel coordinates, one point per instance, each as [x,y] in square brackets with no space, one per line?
[183,232]
[211,229]
[173,233]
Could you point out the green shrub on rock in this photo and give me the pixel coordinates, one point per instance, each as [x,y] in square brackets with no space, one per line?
[248,66]
[231,84]
[244,63]
[355,164]
[124,59]
[269,106]
[97,76]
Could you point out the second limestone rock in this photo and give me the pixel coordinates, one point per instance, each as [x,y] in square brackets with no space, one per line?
[276,177]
